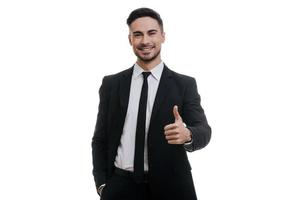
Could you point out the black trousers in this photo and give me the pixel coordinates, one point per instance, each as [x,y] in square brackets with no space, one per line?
[121,186]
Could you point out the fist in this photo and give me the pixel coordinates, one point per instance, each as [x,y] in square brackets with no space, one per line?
[177,133]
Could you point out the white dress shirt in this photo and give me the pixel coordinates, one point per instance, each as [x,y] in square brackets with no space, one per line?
[125,154]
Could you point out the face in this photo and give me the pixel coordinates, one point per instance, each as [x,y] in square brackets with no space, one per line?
[146,37]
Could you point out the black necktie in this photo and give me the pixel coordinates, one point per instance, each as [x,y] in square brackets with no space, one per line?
[140,132]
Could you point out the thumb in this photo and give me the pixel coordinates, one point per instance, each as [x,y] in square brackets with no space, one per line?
[176,113]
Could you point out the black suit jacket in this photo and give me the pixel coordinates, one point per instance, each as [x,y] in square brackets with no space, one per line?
[169,168]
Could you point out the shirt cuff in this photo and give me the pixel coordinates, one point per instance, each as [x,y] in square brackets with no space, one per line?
[188,143]
[100,189]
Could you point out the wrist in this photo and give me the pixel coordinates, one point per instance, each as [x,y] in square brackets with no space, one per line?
[189,136]
[188,133]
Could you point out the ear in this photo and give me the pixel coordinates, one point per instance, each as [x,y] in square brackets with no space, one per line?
[163,36]
[129,39]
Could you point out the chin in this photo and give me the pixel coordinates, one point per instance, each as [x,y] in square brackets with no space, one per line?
[147,58]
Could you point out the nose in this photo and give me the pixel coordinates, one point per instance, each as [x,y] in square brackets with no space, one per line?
[146,39]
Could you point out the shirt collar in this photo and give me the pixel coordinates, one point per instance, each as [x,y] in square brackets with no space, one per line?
[155,71]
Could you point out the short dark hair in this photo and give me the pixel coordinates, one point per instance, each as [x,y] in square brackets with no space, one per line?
[144,12]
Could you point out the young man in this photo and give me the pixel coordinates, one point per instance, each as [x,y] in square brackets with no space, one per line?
[149,116]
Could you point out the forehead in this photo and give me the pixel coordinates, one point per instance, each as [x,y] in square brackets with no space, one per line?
[144,24]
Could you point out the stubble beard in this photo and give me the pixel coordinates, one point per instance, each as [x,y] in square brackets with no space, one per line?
[148,60]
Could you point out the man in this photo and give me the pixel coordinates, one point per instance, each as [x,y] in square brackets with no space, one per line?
[149,116]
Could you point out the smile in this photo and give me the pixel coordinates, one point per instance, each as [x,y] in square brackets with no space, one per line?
[148,48]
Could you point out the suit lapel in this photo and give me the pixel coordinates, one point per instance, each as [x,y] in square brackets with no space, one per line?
[124,91]
[162,91]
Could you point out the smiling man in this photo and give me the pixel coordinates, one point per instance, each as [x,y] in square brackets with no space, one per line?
[146,36]
[148,117]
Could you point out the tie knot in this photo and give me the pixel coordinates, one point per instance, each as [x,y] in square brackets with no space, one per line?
[146,74]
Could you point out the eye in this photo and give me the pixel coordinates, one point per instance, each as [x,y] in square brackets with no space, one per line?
[152,33]
[137,34]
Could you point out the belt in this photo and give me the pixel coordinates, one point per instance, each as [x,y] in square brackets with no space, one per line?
[129,174]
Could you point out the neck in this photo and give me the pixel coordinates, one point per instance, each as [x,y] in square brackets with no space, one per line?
[147,66]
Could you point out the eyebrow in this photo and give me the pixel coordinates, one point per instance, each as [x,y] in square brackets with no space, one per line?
[152,30]
[140,32]
[135,32]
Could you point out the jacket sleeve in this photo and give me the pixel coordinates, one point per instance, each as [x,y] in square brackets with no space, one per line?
[194,117]
[99,140]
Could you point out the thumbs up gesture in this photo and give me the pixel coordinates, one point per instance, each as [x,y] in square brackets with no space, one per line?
[177,133]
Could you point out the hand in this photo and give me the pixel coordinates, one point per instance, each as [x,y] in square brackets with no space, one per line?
[177,133]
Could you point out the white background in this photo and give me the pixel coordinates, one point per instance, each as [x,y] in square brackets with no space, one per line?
[244,55]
